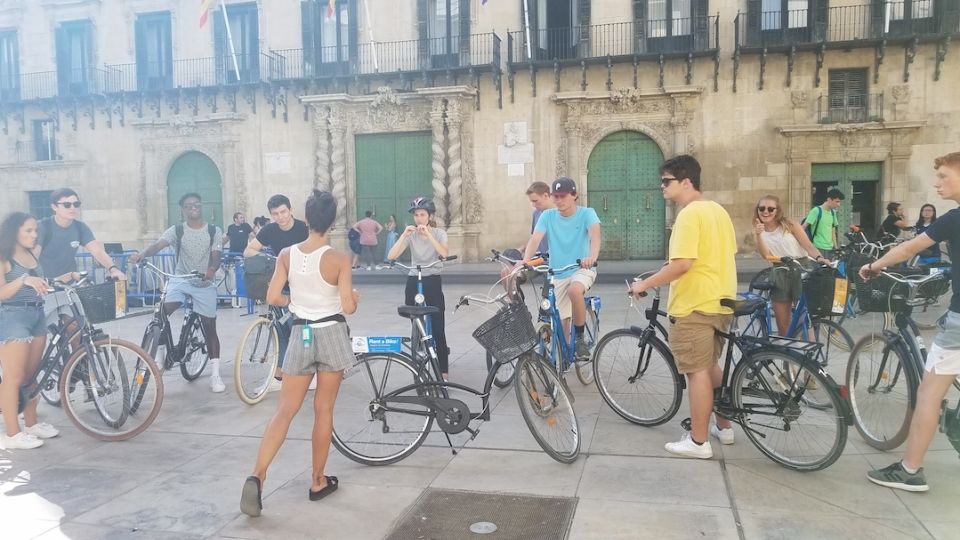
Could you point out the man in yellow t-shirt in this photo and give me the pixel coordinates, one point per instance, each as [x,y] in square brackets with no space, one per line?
[702,271]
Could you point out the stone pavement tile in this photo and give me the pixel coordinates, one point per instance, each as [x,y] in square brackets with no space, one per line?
[943,476]
[597,519]
[761,485]
[620,437]
[183,412]
[236,459]
[800,524]
[654,480]
[496,471]
[417,470]
[150,451]
[25,529]
[68,445]
[81,531]
[173,502]
[942,530]
[744,448]
[63,491]
[510,432]
[353,511]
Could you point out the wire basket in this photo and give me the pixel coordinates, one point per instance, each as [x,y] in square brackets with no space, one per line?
[882,294]
[508,334]
[257,272]
[103,302]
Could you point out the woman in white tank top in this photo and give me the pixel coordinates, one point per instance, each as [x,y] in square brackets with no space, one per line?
[321,291]
[778,236]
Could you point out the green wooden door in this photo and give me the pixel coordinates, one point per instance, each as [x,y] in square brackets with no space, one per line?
[624,188]
[860,183]
[194,172]
[392,169]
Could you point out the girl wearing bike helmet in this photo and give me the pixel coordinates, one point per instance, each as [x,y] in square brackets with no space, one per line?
[427,243]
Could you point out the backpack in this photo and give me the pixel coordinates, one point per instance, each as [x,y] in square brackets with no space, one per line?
[48,225]
[812,231]
[353,237]
[178,229]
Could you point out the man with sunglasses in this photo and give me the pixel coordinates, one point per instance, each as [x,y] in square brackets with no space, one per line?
[702,271]
[574,234]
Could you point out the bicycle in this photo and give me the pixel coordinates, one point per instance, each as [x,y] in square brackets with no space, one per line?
[400,395]
[258,355]
[885,368]
[111,374]
[190,351]
[419,299]
[764,392]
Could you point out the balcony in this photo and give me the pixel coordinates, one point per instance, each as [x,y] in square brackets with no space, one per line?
[852,110]
[620,41]
[33,151]
[843,25]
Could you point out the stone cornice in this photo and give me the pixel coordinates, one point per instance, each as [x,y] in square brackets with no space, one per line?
[43,165]
[826,129]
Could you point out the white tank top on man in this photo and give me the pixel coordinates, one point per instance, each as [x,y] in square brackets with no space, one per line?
[782,243]
[311,297]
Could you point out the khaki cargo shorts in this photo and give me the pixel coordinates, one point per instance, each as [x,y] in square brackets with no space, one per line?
[560,286]
[694,340]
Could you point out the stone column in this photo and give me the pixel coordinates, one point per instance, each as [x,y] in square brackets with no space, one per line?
[437,123]
[338,172]
[455,163]
[321,130]
[798,181]
[896,183]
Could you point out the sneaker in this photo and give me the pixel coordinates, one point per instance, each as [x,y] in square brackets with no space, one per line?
[687,448]
[724,435]
[582,349]
[273,385]
[369,268]
[894,476]
[42,430]
[20,441]
[216,384]
[313,383]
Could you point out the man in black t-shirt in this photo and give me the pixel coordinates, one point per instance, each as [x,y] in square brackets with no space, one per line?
[943,359]
[284,231]
[238,234]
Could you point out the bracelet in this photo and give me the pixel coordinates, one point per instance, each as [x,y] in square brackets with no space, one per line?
[112,267]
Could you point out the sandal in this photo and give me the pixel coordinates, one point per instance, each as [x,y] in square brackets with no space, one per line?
[331,486]
[250,501]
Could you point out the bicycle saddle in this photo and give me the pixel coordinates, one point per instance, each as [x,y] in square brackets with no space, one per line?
[417,311]
[743,307]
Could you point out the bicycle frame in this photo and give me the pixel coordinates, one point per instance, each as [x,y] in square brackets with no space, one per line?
[175,352]
[565,347]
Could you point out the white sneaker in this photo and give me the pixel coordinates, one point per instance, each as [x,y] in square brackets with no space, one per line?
[687,448]
[724,435]
[216,384]
[313,383]
[272,385]
[42,430]
[20,441]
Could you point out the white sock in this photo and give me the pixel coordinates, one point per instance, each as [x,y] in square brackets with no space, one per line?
[909,471]
[215,367]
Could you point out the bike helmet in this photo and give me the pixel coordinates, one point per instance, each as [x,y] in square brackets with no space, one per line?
[423,203]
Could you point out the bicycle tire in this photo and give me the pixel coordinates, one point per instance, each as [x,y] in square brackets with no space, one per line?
[584,366]
[537,380]
[770,411]
[251,385]
[614,374]
[827,333]
[353,435]
[505,373]
[190,366]
[121,353]
[50,391]
[151,344]
[888,430]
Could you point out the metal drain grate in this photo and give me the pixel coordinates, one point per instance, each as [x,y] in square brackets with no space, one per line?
[444,514]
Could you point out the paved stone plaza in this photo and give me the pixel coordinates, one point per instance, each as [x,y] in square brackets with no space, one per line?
[181,479]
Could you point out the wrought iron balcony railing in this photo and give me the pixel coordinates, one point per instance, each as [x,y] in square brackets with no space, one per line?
[618,40]
[847,109]
[843,24]
[33,151]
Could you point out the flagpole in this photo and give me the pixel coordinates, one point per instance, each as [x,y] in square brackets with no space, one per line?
[373,42]
[233,52]
[526,26]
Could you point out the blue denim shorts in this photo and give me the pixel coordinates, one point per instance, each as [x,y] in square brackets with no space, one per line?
[204,298]
[21,323]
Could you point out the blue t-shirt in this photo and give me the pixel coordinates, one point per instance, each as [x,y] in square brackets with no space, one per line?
[569,236]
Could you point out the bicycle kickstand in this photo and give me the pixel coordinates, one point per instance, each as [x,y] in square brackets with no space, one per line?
[450,442]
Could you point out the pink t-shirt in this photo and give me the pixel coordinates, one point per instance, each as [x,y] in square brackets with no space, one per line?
[368,229]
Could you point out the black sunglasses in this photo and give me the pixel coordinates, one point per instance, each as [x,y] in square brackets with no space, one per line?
[665,181]
[770,209]
[69,204]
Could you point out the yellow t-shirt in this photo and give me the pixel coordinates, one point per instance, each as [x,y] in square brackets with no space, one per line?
[703,232]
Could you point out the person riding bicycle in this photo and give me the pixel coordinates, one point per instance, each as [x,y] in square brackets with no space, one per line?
[284,231]
[427,243]
[574,234]
[943,358]
[703,271]
[778,236]
[197,245]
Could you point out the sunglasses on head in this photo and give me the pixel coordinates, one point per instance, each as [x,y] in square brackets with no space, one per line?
[769,209]
[69,204]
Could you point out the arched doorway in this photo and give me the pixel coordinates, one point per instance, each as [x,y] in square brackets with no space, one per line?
[194,172]
[623,175]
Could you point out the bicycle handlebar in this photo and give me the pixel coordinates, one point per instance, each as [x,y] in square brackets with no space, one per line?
[151,266]
[421,266]
[911,281]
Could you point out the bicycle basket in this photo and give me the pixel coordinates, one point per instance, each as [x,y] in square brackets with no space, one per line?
[882,294]
[257,271]
[819,288]
[103,302]
[508,334]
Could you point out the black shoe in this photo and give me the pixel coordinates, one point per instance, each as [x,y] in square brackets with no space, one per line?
[250,501]
[331,486]
[895,476]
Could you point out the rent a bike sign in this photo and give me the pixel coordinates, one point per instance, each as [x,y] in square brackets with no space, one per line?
[377,344]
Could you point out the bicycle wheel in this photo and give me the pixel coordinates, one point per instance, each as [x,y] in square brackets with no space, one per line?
[195,353]
[371,429]
[50,391]
[547,408]
[256,361]
[505,373]
[637,379]
[882,391]
[584,366]
[152,344]
[827,333]
[98,382]
[776,417]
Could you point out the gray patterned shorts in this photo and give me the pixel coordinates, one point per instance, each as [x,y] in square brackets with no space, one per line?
[329,350]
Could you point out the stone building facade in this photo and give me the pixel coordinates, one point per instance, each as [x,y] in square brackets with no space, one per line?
[133,103]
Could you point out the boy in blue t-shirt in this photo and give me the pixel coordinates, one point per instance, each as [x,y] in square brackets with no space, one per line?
[574,233]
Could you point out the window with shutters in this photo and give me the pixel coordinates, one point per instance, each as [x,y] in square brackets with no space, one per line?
[44,140]
[75,57]
[39,202]
[907,17]
[847,95]
[9,66]
[329,36]
[154,51]
[237,54]
[443,32]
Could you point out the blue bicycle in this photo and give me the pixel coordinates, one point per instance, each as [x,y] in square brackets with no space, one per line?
[419,299]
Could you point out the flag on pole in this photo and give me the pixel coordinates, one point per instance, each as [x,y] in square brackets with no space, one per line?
[330,6]
[204,12]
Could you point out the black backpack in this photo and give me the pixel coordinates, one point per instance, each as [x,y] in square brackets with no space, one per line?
[178,229]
